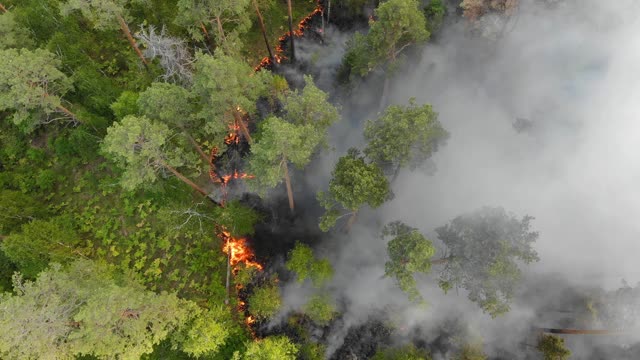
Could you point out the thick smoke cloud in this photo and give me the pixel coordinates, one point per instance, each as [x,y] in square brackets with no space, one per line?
[570,71]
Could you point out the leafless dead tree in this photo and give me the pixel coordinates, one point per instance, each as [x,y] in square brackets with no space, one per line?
[172,52]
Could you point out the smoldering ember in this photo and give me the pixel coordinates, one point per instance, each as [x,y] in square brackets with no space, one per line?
[356,179]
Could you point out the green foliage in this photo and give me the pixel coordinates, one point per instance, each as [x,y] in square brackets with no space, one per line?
[18,208]
[102,14]
[271,348]
[320,309]
[398,24]
[305,265]
[41,242]
[407,352]
[409,252]
[12,34]
[471,351]
[236,218]
[86,309]
[484,248]
[280,142]
[552,348]
[223,84]
[127,104]
[265,301]
[168,103]
[31,85]
[434,13]
[140,147]
[404,136]
[230,19]
[310,107]
[205,334]
[354,183]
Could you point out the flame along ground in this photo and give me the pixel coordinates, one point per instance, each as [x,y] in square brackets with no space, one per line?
[303,25]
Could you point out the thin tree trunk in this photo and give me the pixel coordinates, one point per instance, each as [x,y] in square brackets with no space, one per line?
[183,178]
[220,29]
[4,9]
[293,50]
[204,31]
[351,221]
[440,261]
[329,12]
[264,32]
[68,113]
[229,250]
[132,41]
[287,181]
[238,118]
[196,146]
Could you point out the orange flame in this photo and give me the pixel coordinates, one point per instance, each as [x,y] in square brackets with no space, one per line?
[250,320]
[238,250]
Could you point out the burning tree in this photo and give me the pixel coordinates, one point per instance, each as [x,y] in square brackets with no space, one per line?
[221,14]
[409,252]
[483,249]
[106,15]
[404,136]
[31,87]
[280,143]
[354,184]
[228,89]
[140,146]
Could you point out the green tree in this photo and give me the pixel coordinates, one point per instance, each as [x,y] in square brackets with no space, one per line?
[271,348]
[265,301]
[12,35]
[484,250]
[228,88]
[409,252]
[320,309]
[280,143]
[397,25]
[552,347]
[306,266]
[86,309]
[205,334]
[140,146]
[41,242]
[236,218]
[229,18]
[174,106]
[403,136]
[310,107]
[107,15]
[434,12]
[354,183]
[31,87]
[18,208]
[407,352]
[471,351]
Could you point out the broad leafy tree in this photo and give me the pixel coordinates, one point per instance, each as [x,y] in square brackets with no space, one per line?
[310,107]
[205,334]
[409,252]
[86,309]
[174,106]
[397,24]
[280,144]
[18,208]
[320,309]
[229,19]
[271,348]
[107,15]
[12,35]
[228,89]
[354,183]
[31,87]
[403,136]
[484,251]
[552,347]
[407,352]
[265,301]
[141,147]
[306,266]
